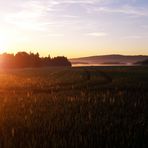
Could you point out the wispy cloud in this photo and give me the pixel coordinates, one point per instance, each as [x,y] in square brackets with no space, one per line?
[97,34]
[55,35]
[29,16]
[38,15]
[59,2]
[135,37]
[41,15]
[129,10]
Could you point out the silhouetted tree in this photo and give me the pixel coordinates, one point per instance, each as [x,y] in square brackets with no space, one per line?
[60,61]
[22,60]
[7,60]
[25,60]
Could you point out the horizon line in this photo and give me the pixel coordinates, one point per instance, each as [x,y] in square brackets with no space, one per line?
[109,54]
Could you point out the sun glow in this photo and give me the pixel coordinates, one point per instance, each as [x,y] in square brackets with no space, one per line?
[3,43]
[10,39]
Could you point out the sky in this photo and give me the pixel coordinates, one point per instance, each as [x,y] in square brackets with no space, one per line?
[74,28]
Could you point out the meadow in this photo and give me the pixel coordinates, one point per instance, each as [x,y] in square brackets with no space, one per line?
[95,107]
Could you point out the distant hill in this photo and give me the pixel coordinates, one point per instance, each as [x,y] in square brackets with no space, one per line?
[109,59]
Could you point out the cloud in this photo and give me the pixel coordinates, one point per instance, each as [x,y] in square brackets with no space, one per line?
[41,15]
[32,15]
[129,10]
[70,16]
[56,15]
[97,34]
[59,2]
[135,37]
[55,35]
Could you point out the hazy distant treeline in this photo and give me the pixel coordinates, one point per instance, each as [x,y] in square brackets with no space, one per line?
[28,60]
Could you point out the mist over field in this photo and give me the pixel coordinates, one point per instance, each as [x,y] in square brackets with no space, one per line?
[107,60]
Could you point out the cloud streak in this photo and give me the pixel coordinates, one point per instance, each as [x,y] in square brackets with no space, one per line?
[127,10]
[41,15]
[97,34]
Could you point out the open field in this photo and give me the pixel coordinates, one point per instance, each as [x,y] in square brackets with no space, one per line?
[100,107]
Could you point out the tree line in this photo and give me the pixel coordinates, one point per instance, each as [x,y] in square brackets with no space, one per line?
[30,60]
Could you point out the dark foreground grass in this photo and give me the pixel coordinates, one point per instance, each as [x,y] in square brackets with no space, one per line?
[59,107]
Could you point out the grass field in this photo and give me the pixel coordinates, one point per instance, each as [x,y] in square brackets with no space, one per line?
[96,107]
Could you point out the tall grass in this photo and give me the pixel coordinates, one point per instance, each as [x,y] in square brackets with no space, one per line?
[57,108]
